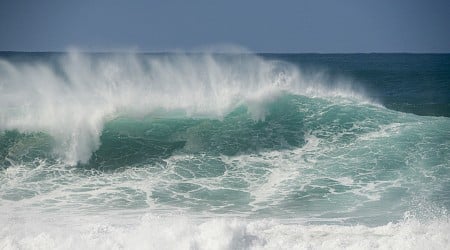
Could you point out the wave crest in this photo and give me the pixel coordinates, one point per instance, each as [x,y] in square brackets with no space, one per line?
[71,96]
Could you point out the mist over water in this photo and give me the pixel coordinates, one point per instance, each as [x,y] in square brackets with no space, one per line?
[221,151]
[72,96]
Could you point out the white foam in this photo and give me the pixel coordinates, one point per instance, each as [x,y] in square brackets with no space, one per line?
[153,232]
[73,102]
[384,131]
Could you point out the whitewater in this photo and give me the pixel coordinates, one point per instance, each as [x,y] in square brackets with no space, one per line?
[222,151]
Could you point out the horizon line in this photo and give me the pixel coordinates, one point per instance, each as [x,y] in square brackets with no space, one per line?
[204,52]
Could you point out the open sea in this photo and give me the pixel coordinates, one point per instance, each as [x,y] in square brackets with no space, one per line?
[224,151]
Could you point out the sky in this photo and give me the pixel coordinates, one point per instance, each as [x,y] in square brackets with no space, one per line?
[323,26]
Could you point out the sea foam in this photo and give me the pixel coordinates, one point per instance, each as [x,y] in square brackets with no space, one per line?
[153,232]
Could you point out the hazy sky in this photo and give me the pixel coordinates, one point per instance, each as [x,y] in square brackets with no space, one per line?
[261,26]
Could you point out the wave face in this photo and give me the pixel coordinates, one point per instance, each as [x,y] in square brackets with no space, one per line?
[178,146]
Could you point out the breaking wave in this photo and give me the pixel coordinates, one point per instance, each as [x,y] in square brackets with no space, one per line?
[71,97]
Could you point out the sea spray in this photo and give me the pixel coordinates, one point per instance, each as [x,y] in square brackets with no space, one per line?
[71,96]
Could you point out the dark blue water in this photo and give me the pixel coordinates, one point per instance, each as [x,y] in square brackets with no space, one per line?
[416,83]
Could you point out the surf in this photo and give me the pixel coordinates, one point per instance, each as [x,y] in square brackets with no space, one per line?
[232,151]
[71,96]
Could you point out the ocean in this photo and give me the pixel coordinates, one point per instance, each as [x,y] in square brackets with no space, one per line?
[224,151]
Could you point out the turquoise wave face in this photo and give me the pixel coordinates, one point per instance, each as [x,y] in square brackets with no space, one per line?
[321,159]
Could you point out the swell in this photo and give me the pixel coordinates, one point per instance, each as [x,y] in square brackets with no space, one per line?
[71,96]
